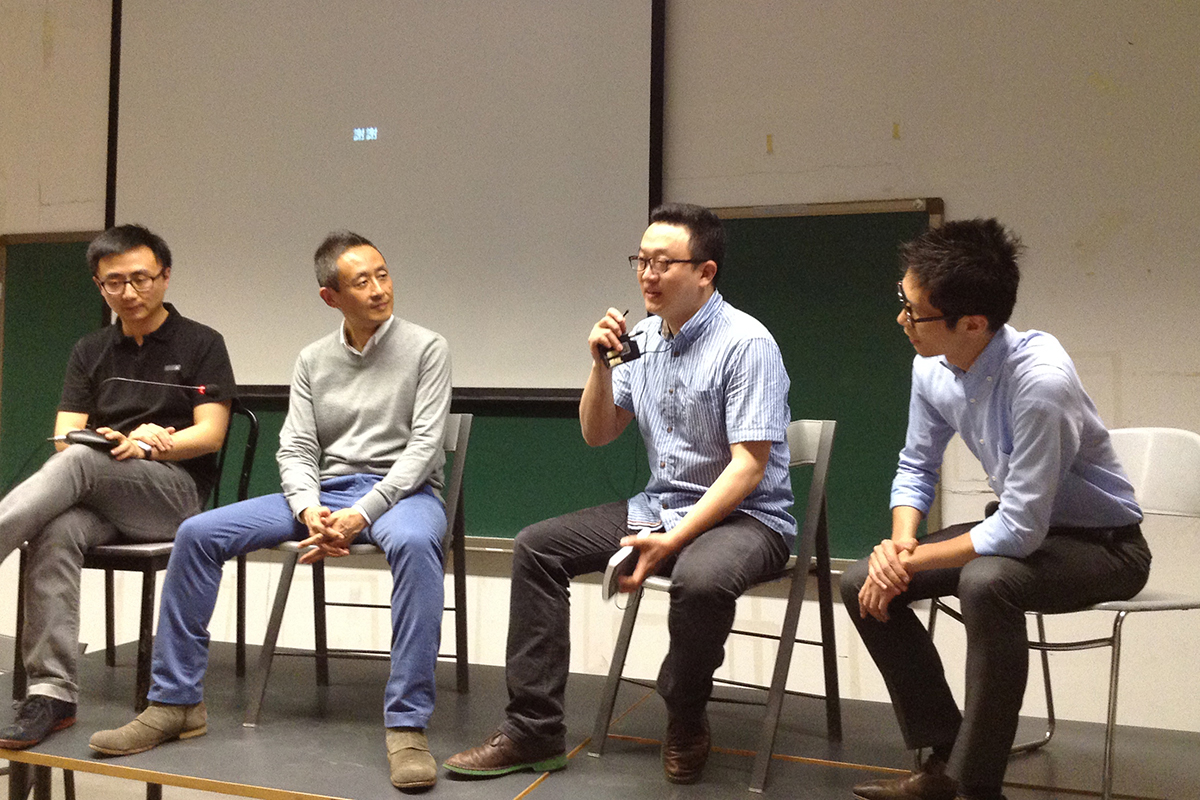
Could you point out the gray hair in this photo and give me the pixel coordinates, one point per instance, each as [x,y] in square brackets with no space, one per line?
[327,255]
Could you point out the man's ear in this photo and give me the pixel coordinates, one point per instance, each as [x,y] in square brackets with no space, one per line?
[329,296]
[975,324]
[708,270]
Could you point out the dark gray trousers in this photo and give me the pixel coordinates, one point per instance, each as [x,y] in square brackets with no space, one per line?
[1072,569]
[706,579]
[81,498]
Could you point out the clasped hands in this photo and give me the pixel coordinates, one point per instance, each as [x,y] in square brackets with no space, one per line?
[330,533]
[652,551]
[887,576]
[158,439]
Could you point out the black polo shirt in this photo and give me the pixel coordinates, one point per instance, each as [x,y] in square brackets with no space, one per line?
[181,352]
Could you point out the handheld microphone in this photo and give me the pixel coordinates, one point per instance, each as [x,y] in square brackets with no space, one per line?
[628,352]
[87,437]
[206,389]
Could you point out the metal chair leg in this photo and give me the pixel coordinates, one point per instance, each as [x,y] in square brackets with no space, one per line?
[240,663]
[833,701]
[145,648]
[110,634]
[1110,728]
[460,603]
[19,677]
[613,683]
[778,689]
[320,635]
[41,782]
[272,636]
[1030,746]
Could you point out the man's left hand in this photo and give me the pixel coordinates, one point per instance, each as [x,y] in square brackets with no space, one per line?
[342,528]
[126,448]
[874,601]
[652,551]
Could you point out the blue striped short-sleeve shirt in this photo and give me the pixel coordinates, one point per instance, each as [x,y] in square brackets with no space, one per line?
[719,381]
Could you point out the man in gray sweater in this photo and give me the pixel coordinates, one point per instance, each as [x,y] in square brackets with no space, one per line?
[360,458]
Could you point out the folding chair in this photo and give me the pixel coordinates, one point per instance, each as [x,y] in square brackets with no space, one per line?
[149,558]
[457,436]
[1164,466]
[811,443]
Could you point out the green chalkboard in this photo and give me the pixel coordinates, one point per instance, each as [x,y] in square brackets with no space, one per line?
[822,282]
[519,470]
[49,302]
[824,285]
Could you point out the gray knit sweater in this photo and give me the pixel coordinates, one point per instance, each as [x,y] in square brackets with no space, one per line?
[382,413]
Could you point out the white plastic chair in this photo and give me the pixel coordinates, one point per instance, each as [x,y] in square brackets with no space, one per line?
[1164,466]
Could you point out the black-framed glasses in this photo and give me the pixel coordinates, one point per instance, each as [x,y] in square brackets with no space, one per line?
[658,265]
[908,309]
[140,281]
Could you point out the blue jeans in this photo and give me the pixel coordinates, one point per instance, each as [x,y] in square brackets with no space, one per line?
[410,535]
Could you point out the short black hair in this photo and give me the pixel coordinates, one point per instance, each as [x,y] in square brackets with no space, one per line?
[122,239]
[706,233]
[967,267]
[330,250]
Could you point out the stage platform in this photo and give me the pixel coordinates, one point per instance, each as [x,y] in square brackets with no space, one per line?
[328,743]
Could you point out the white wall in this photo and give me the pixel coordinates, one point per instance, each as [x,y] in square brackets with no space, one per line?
[53,114]
[1075,122]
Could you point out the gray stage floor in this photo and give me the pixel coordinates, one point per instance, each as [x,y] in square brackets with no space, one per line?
[329,743]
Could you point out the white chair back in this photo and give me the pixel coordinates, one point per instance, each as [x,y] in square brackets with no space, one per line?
[1164,466]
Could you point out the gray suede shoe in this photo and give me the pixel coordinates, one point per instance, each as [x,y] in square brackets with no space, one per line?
[412,766]
[157,724]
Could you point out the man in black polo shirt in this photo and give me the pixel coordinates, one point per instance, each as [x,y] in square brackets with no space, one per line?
[158,387]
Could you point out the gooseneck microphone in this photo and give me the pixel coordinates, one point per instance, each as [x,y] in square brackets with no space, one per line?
[213,389]
[90,438]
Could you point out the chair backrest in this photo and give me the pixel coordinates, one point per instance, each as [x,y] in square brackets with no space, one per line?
[237,409]
[810,441]
[1164,466]
[455,440]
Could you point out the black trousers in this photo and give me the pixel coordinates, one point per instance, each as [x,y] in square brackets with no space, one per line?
[1073,568]
[707,577]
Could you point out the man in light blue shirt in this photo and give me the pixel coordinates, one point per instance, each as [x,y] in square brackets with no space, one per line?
[1064,534]
[709,394]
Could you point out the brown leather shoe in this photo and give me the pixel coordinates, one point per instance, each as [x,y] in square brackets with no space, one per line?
[500,755]
[931,783]
[685,751]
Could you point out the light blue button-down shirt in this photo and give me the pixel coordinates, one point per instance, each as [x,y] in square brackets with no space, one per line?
[1022,411]
[717,382]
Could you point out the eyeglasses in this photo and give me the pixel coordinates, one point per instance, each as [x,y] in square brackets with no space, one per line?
[908,309]
[140,282]
[658,265]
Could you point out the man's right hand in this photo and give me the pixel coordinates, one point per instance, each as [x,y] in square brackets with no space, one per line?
[886,566]
[606,335]
[322,539]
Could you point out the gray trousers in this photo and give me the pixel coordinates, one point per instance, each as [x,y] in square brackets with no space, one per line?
[80,497]
[1073,568]
[707,578]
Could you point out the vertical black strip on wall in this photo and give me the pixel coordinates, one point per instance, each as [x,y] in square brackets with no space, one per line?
[114,93]
[114,96]
[658,38]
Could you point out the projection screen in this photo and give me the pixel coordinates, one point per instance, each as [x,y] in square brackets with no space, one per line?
[496,152]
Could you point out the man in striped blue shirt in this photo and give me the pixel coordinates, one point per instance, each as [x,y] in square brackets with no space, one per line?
[709,394]
[1065,533]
